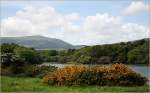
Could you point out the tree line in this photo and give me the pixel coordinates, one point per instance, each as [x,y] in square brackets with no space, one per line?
[135,52]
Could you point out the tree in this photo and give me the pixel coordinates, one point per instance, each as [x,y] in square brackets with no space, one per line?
[84,59]
[6,59]
[8,48]
[52,53]
[7,52]
[104,60]
[122,54]
[18,65]
[139,55]
[29,55]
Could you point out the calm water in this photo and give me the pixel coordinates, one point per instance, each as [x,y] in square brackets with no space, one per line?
[143,70]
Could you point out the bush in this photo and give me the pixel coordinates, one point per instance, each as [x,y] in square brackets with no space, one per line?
[40,71]
[29,55]
[5,71]
[84,59]
[104,60]
[26,70]
[115,74]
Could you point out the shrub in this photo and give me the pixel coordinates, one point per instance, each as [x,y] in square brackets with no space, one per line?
[84,59]
[104,60]
[26,70]
[29,55]
[40,71]
[115,74]
[6,71]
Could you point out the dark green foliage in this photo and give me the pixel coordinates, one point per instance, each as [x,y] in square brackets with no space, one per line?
[49,55]
[40,71]
[139,54]
[17,60]
[29,55]
[84,59]
[10,51]
[6,59]
[135,52]
[22,69]
[8,48]
[104,59]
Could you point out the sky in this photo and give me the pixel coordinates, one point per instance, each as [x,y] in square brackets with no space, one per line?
[80,22]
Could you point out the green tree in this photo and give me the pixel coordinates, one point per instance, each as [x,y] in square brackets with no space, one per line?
[84,59]
[139,54]
[8,48]
[28,55]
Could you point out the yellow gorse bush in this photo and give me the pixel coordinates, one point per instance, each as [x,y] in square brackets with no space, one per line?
[64,74]
[115,74]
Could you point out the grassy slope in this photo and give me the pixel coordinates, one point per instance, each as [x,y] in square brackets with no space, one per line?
[35,85]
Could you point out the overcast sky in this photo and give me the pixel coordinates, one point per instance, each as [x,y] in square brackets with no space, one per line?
[77,22]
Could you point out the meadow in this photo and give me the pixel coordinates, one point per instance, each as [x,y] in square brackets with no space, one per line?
[22,84]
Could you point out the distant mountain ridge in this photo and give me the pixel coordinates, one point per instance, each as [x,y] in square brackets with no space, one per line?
[37,42]
[43,43]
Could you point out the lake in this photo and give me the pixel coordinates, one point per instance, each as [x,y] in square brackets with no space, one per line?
[142,69]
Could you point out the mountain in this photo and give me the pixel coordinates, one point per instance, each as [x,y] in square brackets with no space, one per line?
[37,42]
[43,43]
[79,46]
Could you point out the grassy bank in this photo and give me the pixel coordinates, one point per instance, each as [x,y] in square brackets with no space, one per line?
[15,84]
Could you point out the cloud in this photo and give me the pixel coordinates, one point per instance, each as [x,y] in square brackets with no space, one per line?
[72,27]
[136,7]
[104,28]
[33,20]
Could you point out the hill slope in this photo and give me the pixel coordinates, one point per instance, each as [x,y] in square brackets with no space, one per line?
[37,42]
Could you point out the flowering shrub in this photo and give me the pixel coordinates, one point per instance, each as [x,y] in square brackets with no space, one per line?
[115,74]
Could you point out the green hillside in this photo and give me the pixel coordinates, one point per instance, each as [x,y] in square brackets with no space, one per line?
[37,42]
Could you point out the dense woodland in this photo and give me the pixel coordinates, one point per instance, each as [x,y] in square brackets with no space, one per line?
[135,52]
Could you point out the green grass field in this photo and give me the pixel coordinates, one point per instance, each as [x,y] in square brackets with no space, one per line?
[15,84]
